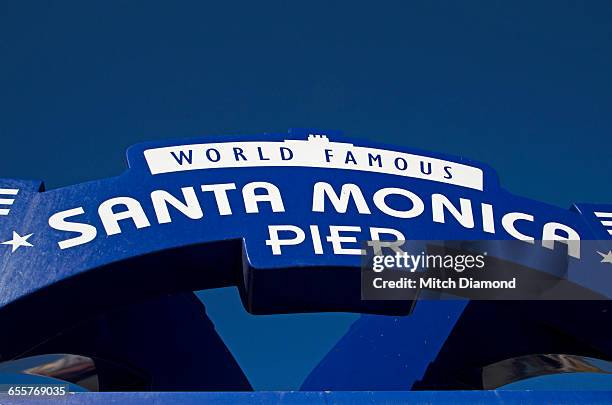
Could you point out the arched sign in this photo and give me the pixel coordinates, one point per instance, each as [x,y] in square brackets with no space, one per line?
[280,216]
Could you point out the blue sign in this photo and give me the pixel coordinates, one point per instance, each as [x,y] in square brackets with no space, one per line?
[282,217]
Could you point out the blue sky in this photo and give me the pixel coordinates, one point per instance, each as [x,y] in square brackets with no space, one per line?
[523,86]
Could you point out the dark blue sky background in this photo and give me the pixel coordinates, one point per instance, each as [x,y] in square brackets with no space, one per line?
[523,86]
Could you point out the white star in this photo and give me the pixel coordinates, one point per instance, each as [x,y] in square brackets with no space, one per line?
[18,241]
[607,257]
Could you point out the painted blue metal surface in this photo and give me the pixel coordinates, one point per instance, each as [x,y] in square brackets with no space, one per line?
[64,250]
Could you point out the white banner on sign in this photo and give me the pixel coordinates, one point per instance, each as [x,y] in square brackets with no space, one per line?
[317,152]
